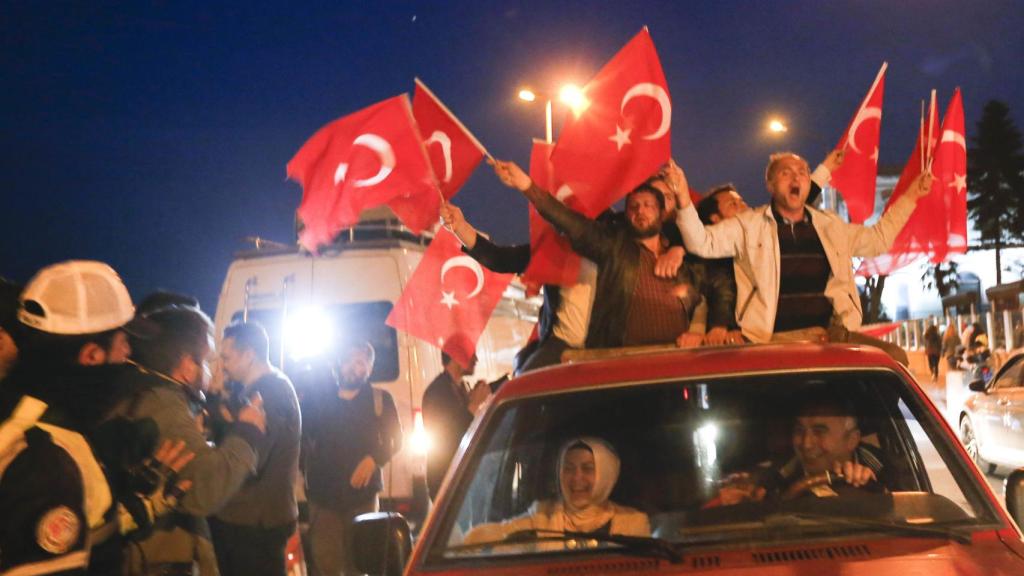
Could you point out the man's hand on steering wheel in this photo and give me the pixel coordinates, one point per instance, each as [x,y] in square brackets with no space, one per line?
[854,474]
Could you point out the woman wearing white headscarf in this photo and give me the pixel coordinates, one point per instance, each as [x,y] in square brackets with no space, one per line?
[588,469]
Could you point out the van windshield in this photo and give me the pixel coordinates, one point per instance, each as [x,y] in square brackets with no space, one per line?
[712,462]
[310,336]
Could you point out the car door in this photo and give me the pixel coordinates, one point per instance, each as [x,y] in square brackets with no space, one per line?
[1012,397]
[1005,389]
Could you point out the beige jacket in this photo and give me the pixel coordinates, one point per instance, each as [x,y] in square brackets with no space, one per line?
[751,239]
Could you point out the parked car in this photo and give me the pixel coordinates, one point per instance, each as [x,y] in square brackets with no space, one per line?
[992,418]
[685,424]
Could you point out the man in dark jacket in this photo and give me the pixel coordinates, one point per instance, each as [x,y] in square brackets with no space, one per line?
[348,436]
[632,306]
[251,531]
[171,372]
[448,410]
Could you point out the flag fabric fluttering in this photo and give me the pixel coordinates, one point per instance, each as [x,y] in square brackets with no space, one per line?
[368,158]
[622,137]
[950,170]
[552,259]
[938,225]
[855,179]
[449,298]
[454,152]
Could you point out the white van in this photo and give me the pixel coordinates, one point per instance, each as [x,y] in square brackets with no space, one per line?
[351,287]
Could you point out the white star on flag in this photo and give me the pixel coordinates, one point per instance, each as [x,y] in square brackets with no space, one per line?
[874,155]
[621,137]
[959,182]
[448,299]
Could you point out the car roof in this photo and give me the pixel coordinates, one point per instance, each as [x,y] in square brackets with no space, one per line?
[695,362]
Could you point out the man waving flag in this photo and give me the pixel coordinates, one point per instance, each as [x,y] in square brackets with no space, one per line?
[622,137]
[366,159]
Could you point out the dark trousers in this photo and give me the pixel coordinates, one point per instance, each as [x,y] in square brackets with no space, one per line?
[250,550]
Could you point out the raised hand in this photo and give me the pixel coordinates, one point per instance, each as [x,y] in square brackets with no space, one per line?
[511,175]
[921,186]
[252,413]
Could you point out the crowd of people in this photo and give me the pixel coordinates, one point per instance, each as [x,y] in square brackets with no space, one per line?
[113,460]
[117,457]
[668,271]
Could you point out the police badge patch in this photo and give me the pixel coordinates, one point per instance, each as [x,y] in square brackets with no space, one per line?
[58,530]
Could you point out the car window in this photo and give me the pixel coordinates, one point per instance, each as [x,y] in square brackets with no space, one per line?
[685,448]
[1010,377]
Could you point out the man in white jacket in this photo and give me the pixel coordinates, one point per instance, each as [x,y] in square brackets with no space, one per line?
[794,273]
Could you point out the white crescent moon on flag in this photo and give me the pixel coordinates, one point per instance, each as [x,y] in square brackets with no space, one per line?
[472,265]
[384,152]
[446,148]
[862,115]
[659,94]
[954,136]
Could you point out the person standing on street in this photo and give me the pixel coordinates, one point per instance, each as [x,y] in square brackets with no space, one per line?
[251,531]
[448,410]
[349,436]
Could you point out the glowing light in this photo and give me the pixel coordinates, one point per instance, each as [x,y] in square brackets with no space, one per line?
[705,437]
[527,95]
[777,126]
[420,440]
[308,332]
[573,96]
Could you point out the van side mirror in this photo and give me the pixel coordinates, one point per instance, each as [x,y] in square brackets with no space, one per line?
[977,385]
[381,543]
[1014,490]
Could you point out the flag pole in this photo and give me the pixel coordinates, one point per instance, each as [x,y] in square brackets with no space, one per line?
[931,130]
[920,139]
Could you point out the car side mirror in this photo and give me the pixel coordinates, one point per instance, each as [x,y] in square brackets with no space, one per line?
[977,386]
[1014,490]
[381,543]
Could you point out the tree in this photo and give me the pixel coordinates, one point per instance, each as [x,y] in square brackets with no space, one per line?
[942,277]
[871,300]
[995,180]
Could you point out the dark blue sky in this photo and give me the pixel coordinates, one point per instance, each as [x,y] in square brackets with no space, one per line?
[154,136]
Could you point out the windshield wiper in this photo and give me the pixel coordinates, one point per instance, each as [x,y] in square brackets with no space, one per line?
[638,545]
[887,526]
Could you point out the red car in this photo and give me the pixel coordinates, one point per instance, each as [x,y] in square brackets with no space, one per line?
[707,461]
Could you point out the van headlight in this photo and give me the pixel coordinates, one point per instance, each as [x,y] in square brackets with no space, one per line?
[308,332]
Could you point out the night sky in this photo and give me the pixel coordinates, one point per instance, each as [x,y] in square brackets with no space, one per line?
[154,136]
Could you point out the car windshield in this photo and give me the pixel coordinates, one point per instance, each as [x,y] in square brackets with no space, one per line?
[709,462]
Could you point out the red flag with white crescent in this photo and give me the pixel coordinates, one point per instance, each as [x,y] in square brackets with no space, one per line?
[623,135]
[950,171]
[928,228]
[855,179]
[365,159]
[449,298]
[552,259]
[454,152]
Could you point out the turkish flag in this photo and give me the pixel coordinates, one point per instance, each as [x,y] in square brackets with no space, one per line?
[950,171]
[924,227]
[855,179]
[552,259]
[623,136]
[454,152]
[449,298]
[365,159]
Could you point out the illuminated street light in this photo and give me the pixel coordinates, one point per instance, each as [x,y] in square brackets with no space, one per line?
[776,126]
[570,94]
[573,96]
[528,95]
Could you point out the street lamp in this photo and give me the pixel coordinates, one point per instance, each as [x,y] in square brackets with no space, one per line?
[570,95]
[776,126]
